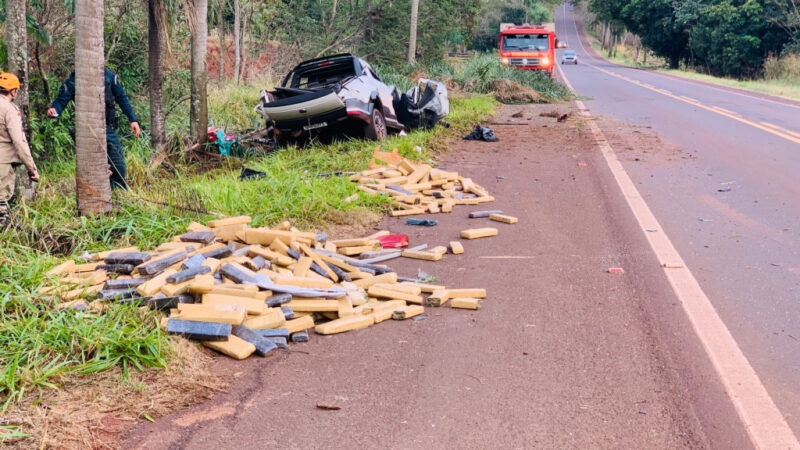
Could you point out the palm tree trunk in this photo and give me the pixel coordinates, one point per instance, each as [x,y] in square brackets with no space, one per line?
[237,40]
[91,171]
[412,39]
[198,110]
[158,136]
[16,37]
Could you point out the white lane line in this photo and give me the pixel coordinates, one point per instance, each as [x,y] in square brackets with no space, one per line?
[762,420]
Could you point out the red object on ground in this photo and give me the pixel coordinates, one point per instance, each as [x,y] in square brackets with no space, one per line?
[394,241]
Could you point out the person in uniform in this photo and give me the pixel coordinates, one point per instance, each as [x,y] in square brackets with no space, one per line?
[14,149]
[115,95]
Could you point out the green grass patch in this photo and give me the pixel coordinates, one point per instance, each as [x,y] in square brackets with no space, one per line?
[787,88]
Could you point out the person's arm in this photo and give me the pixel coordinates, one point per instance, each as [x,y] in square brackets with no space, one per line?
[122,100]
[14,125]
[65,95]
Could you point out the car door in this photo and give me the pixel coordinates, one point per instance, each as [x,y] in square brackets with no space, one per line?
[384,94]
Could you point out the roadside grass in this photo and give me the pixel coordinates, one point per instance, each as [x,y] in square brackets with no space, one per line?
[786,87]
[41,347]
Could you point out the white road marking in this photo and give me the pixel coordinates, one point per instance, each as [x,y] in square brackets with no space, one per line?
[763,421]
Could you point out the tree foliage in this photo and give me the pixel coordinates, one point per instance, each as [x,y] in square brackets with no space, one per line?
[722,37]
[494,12]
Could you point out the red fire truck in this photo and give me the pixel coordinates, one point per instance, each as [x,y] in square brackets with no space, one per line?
[529,47]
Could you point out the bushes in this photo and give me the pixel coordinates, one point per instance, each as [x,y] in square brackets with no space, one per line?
[483,74]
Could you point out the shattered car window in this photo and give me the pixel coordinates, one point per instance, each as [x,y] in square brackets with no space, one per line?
[320,77]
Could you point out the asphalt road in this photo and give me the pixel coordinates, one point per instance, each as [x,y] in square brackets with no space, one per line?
[745,252]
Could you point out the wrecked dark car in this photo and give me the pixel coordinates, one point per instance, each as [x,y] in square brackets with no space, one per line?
[342,95]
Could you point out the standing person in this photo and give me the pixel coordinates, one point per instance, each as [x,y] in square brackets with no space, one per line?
[14,148]
[115,95]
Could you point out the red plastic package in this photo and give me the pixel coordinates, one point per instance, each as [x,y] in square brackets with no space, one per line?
[394,241]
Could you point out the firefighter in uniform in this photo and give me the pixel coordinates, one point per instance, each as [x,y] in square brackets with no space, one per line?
[115,95]
[14,148]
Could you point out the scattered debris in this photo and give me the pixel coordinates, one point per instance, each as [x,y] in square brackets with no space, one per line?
[417,188]
[480,133]
[553,114]
[393,241]
[422,222]
[476,233]
[250,174]
[241,290]
[328,407]
[563,117]
[482,214]
[517,114]
[503,218]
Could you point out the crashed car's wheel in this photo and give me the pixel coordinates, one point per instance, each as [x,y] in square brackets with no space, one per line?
[376,129]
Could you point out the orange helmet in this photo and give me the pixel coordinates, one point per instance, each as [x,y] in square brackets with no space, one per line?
[8,81]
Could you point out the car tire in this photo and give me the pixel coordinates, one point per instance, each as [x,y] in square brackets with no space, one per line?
[376,128]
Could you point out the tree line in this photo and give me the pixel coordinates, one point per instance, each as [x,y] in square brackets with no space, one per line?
[719,37]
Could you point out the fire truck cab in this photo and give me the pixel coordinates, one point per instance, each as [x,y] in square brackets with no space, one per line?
[530,47]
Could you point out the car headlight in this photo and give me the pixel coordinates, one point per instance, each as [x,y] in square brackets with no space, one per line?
[503,60]
[545,61]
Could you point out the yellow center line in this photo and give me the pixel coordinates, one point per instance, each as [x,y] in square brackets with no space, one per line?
[784,130]
[789,136]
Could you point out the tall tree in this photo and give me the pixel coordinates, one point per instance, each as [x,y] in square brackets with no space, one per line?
[237,40]
[91,171]
[156,12]
[16,36]
[221,34]
[198,110]
[658,24]
[412,39]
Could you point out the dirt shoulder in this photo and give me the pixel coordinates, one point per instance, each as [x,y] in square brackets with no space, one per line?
[562,355]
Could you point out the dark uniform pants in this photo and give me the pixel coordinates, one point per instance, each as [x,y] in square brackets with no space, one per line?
[116,159]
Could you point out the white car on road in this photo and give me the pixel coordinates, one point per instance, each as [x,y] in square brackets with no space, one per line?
[569,56]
